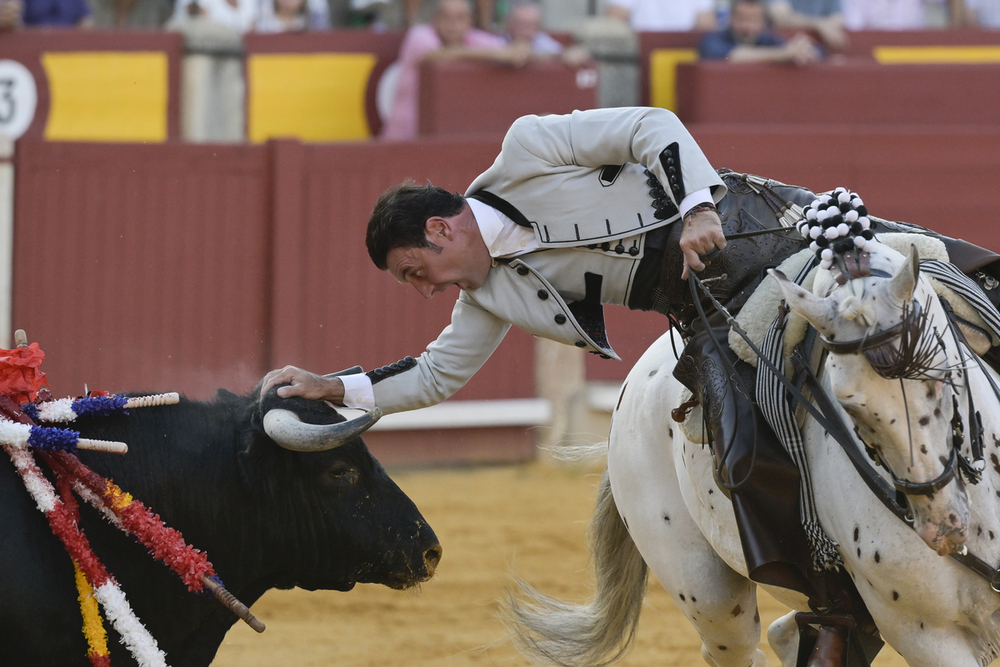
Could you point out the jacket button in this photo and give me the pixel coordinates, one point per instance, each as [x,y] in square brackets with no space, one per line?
[619,248]
[523,270]
[633,251]
[560,319]
[542,294]
[580,343]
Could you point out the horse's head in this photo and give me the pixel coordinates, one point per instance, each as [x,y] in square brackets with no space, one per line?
[892,365]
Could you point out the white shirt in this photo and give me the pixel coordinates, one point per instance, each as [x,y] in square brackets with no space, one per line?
[884,14]
[240,18]
[503,238]
[656,15]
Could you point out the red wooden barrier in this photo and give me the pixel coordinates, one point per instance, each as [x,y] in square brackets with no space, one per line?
[142,266]
[464,99]
[854,92]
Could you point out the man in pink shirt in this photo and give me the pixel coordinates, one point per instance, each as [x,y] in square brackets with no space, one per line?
[449,36]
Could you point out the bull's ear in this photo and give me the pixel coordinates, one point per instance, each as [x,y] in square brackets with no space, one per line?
[817,311]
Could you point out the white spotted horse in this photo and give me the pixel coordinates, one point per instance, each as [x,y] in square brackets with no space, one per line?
[896,481]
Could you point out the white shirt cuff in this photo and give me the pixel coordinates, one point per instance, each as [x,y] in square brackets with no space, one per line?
[703,196]
[358,392]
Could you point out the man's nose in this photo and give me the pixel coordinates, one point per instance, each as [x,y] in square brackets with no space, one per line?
[426,290]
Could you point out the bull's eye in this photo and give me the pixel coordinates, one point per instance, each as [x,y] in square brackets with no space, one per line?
[342,473]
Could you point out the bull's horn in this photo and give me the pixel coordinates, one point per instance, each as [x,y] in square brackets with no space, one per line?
[290,432]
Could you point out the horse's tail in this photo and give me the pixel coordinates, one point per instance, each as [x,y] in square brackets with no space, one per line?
[599,632]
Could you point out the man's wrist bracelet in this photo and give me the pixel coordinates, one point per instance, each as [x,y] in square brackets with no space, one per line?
[708,206]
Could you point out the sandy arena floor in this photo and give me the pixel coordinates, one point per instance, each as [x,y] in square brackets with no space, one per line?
[530,519]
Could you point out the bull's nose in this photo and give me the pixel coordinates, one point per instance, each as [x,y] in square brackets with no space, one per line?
[431,559]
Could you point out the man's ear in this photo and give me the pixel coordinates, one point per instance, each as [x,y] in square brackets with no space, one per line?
[437,227]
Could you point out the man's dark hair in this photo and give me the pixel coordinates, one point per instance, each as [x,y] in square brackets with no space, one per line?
[399,219]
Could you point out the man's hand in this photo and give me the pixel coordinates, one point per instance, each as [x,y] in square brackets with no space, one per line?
[304,384]
[702,233]
[801,50]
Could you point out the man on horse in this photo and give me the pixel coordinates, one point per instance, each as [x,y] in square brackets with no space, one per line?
[607,206]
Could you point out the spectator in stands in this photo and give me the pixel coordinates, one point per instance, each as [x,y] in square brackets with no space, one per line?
[131,13]
[983,13]
[747,39]
[662,15]
[292,15]
[59,13]
[902,14]
[449,36]
[523,25]
[823,17]
[236,15]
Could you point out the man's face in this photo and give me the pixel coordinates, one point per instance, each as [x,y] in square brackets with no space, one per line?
[452,20]
[523,23]
[747,22]
[432,270]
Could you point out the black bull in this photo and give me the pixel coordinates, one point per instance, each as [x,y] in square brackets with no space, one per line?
[267,517]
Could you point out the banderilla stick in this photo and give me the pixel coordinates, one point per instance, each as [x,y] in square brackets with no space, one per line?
[109,446]
[230,602]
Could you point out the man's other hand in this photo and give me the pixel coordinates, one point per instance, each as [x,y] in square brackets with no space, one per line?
[702,234]
[303,383]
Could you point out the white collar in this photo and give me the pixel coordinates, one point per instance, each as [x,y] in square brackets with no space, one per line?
[488,219]
[503,236]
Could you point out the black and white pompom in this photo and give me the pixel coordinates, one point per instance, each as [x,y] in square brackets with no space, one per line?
[835,223]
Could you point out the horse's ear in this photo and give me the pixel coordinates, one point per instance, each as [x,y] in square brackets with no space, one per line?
[818,312]
[905,281]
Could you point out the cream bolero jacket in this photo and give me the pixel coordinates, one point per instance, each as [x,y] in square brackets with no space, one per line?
[579,180]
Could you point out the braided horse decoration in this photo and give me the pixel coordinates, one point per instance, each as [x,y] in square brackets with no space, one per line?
[915,522]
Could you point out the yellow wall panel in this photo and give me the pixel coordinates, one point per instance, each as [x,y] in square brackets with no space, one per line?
[892,55]
[663,75]
[107,96]
[314,96]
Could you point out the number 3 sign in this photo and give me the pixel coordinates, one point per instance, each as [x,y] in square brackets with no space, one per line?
[18,98]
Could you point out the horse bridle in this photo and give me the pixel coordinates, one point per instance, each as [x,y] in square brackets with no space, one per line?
[878,340]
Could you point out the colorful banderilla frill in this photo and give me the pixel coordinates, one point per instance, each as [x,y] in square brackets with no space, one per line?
[21,379]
